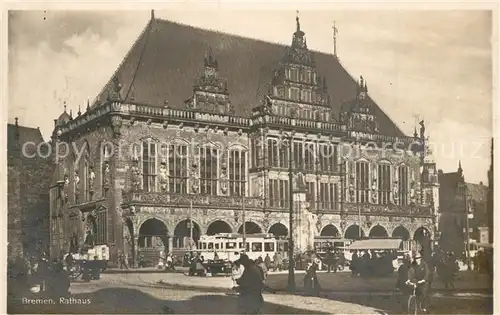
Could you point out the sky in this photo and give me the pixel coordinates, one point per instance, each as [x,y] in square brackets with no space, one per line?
[431,65]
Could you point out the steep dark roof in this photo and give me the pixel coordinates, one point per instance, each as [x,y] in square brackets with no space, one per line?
[25,134]
[478,192]
[167,58]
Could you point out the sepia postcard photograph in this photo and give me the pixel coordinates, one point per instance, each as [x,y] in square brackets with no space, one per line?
[229,160]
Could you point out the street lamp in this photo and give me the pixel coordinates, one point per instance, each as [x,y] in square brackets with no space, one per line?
[291,259]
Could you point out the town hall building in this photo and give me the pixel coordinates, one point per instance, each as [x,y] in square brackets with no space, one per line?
[200,127]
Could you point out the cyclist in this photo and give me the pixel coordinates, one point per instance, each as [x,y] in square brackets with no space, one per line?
[419,275]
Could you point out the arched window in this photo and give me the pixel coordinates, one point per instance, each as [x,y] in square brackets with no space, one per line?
[149,166]
[384,183]
[237,172]
[209,162]
[177,167]
[362,182]
[403,175]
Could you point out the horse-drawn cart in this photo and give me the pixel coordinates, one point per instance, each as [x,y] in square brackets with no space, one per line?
[91,259]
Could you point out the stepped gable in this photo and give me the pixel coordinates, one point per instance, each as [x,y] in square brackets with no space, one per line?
[167,56]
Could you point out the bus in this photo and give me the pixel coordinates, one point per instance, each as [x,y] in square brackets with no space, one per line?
[228,246]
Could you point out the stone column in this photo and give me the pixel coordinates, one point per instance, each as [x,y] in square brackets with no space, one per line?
[136,252]
[170,242]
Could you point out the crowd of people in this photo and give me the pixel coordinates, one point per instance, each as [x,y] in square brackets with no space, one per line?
[372,263]
[32,276]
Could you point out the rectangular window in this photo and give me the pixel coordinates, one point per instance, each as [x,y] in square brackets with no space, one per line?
[298,155]
[230,245]
[284,154]
[309,156]
[384,183]
[294,74]
[149,166]
[294,94]
[177,168]
[403,185]
[328,196]
[279,195]
[272,152]
[237,172]
[328,158]
[269,246]
[256,246]
[208,170]
[362,182]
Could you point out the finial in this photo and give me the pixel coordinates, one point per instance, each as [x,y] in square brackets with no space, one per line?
[64,106]
[366,87]
[335,31]
[88,104]
[152,14]
[361,81]
[298,22]
[415,134]
[79,110]
[17,121]
[460,167]
[70,114]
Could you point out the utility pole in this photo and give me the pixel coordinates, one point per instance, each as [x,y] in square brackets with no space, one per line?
[291,258]
[244,217]
[467,235]
[190,224]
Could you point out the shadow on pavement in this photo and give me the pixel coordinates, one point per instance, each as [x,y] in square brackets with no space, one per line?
[396,304]
[132,301]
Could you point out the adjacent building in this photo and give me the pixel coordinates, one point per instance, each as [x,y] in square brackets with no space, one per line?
[461,201]
[200,127]
[28,181]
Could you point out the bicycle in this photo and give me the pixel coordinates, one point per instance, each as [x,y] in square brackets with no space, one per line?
[414,303]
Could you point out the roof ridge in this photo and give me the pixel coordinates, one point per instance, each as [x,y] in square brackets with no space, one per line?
[106,85]
[25,127]
[396,127]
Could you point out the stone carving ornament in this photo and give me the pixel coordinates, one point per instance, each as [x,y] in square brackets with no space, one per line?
[135,175]
[163,176]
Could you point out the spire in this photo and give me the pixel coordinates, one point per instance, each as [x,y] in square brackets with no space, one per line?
[79,110]
[298,21]
[460,171]
[210,60]
[64,106]
[335,32]
[88,104]
[152,14]
[70,114]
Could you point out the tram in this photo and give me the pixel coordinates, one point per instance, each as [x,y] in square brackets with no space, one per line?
[228,246]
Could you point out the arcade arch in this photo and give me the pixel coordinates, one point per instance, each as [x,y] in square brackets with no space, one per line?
[279,230]
[401,232]
[250,228]
[330,230]
[354,232]
[219,226]
[378,231]
[182,233]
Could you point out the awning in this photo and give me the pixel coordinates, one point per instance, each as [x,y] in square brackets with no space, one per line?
[373,244]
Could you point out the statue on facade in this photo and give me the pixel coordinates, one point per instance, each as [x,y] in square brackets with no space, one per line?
[422,130]
[91,178]
[412,193]
[395,192]
[106,172]
[163,177]
[136,179]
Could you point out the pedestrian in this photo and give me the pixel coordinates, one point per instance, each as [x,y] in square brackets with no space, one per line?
[250,286]
[59,282]
[354,264]
[311,283]
[419,275]
[267,261]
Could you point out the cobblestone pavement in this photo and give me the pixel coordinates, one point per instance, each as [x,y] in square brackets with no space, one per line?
[139,293]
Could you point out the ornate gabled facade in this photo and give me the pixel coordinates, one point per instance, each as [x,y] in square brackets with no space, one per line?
[151,162]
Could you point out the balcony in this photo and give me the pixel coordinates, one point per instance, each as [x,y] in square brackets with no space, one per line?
[353,208]
[174,199]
